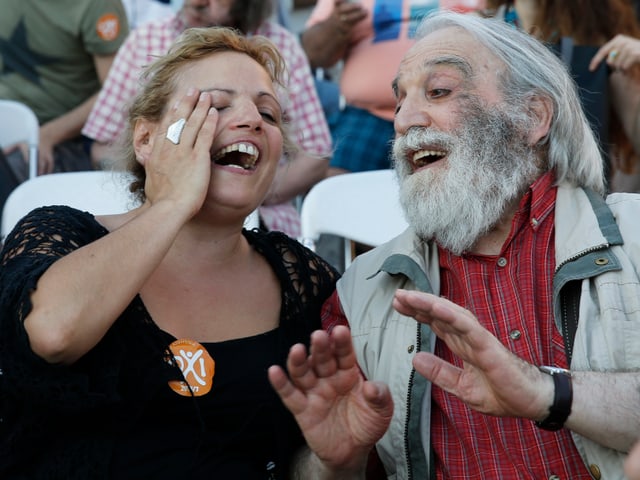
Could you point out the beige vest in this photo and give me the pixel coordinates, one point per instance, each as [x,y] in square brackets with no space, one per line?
[607,339]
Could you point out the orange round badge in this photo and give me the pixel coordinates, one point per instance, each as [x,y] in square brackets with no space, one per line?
[197,368]
[108,27]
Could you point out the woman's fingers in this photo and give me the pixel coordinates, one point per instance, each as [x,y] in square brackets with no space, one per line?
[195,117]
[180,111]
[181,126]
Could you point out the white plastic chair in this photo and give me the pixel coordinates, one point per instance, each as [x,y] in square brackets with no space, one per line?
[100,192]
[361,207]
[18,123]
[253,220]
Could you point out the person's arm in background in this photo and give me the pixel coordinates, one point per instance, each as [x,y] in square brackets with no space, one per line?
[326,42]
[295,177]
[309,127]
[70,124]
[622,54]
[106,120]
[625,101]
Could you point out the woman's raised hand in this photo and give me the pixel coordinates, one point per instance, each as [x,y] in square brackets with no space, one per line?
[178,166]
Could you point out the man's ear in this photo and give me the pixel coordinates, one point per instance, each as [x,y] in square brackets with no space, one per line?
[144,134]
[541,108]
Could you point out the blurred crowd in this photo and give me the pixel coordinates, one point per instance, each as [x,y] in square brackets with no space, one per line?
[342,56]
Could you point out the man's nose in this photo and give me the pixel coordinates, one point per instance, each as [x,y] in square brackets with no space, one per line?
[411,113]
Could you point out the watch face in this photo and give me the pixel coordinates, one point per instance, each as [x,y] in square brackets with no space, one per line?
[554,370]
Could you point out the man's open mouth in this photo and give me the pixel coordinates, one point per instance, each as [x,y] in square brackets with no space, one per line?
[422,158]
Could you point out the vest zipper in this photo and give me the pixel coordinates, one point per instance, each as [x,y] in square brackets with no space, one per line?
[406,422]
[602,246]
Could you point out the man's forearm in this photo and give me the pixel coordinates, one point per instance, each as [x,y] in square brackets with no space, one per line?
[606,408]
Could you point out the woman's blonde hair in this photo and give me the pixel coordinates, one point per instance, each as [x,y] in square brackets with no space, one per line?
[160,81]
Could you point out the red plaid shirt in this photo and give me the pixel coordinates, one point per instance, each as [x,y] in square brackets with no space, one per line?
[513,300]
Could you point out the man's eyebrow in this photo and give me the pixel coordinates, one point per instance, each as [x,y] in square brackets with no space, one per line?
[453,61]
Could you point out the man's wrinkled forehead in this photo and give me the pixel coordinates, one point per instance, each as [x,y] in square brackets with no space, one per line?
[452,47]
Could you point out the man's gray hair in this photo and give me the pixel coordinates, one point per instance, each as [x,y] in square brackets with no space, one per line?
[531,68]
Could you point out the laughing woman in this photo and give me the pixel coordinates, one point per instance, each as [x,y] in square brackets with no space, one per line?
[137,345]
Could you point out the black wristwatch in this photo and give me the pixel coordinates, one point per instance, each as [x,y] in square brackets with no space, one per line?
[562,398]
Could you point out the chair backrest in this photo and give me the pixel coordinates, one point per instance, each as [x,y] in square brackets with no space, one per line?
[100,192]
[18,123]
[253,220]
[360,207]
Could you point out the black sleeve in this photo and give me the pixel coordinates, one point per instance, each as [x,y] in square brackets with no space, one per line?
[40,238]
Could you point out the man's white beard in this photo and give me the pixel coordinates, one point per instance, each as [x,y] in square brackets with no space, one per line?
[489,165]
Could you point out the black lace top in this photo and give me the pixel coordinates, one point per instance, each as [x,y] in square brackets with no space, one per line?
[66,422]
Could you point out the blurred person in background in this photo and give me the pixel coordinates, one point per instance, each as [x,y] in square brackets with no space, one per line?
[610,105]
[622,54]
[54,57]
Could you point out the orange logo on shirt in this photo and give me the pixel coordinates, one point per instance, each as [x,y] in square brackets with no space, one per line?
[197,368]
[108,26]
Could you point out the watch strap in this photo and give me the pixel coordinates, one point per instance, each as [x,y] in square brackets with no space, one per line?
[562,399]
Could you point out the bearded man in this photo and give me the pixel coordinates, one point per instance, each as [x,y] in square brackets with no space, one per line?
[499,336]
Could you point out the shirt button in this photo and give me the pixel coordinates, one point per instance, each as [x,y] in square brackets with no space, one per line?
[515,334]
[554,477]
[534,222]
[410,349]
[502,262]
[595,471]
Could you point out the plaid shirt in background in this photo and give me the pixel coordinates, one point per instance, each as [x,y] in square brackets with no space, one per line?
[153,39]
